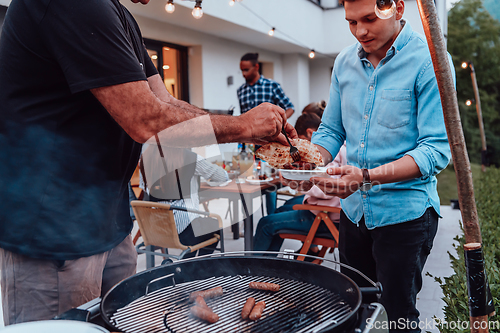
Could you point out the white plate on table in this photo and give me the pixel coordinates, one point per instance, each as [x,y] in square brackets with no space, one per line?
[303,174]
[253,181]
[215,184]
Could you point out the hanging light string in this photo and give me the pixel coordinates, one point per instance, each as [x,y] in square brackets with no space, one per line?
[273,30]
[198,13]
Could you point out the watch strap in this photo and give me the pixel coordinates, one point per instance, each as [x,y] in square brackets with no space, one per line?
[366,176]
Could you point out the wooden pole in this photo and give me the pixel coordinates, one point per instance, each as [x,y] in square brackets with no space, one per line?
[452,121]
[444,78]
[479,115]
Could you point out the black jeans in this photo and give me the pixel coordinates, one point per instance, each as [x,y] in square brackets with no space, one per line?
[394,256]
[187,237]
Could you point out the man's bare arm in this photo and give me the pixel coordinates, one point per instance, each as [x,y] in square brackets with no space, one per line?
[158,88]
[400,170]
[351,177]
[327,157]
[143,109]
[289,113]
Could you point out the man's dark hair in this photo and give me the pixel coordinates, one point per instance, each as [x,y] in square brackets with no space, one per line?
[253,57]
[316,108]
[305,121]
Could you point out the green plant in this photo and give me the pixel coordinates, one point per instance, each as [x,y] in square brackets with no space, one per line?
[474,35]
[454,288]
[447,182]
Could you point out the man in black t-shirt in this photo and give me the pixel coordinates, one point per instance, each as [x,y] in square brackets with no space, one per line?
[78,97]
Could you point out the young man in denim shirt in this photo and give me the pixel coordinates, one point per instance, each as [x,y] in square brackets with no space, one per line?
[384,101]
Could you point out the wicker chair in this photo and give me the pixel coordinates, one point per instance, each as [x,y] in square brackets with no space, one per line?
[327,240]
[157,227]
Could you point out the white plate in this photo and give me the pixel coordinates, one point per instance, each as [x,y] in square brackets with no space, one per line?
[257,181]
[218,183]
[303,174]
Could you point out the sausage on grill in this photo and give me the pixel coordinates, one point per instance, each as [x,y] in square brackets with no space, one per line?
[210,293]
[247,308]
[264,286]
[257,310]
[199,301]
[204,314]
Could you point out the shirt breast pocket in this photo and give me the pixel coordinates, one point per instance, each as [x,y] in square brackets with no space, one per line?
[395,108]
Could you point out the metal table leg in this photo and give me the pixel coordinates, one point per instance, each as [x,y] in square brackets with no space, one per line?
[150,258]
[248,225]
[235,226]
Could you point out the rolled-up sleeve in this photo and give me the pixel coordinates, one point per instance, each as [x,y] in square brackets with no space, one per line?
[432,153]
[210,171]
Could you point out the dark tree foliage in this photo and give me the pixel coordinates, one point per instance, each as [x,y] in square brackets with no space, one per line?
[474,35]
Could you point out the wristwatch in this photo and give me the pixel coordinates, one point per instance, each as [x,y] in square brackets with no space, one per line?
[367,183]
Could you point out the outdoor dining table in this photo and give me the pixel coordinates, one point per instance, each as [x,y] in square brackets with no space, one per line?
[245,192]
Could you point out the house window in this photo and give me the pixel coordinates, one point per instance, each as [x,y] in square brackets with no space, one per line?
[171,62]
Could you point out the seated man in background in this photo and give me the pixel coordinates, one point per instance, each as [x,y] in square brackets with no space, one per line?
[285,217]
[189,167]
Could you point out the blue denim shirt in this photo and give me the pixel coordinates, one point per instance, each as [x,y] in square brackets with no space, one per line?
[384,114]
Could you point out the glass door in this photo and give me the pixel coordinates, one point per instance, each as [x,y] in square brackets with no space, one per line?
[171,62]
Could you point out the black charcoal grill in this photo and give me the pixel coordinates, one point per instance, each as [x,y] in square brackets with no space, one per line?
[312,298]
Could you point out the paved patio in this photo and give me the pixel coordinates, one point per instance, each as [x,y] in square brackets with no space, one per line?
[429,301]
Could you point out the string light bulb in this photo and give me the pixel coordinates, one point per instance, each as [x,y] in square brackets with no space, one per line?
[468,102]
[385,9]
[170,7]
[197,11]
[271,32]
[464,65]
[312,54]
[231,3]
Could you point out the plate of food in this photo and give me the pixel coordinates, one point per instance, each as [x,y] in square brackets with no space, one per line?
[257,181]
[278,156]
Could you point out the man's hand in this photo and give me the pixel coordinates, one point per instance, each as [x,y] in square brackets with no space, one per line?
[264,124]
[351,178]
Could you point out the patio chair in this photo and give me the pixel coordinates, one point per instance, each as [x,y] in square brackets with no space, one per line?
[328,240]
[134,183]
[157,228]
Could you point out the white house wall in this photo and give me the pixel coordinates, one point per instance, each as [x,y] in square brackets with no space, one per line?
[215,49]
[211,61]
[319,79]
[225,33]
